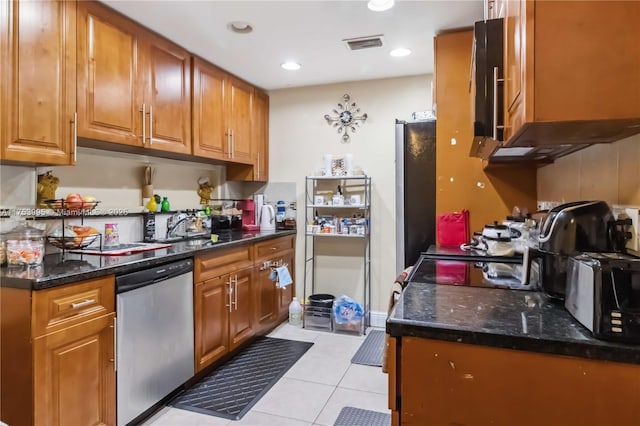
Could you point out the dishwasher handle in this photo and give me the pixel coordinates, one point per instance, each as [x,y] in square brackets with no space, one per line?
[134,280]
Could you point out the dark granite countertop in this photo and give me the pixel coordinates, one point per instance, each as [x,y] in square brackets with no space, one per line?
[511,319]
[58,270]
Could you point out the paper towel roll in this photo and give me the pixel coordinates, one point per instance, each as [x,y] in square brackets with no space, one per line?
[327,159]
[348,164]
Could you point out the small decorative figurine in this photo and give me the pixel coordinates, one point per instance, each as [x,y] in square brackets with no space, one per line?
[46,188]
[205,190]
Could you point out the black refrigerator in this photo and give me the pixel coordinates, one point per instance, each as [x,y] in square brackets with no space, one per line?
[415,190]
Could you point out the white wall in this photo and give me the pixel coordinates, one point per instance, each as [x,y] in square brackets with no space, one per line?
[299,136]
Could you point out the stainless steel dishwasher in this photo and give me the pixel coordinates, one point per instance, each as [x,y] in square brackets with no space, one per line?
[155,335]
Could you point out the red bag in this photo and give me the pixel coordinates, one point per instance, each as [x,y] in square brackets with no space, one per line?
[453,228]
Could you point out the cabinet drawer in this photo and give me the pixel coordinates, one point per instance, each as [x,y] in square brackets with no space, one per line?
[222,262]
[267,249]
[62,307]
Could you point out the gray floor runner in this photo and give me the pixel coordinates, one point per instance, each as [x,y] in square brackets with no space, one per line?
[350,416]
[370,352]
[232,389]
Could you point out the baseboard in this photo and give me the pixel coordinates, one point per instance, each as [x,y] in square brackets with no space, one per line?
[378,319]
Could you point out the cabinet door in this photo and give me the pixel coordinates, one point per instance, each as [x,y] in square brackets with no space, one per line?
[514,61]
[209,132]
[265,300]
[40,95]
[239,123]
[241,318]
[109,84]
[74,375]
[167,95]
[211,311]
[286,294]
[260,135]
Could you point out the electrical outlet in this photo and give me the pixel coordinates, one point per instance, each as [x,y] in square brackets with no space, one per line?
[632,212]
[547,205]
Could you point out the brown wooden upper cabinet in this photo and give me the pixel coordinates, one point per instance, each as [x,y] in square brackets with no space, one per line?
[133,86]
[258,170]
[571,71]
[221,114]
[38,87]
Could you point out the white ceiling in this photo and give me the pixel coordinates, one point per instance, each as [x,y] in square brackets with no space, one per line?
[309,32]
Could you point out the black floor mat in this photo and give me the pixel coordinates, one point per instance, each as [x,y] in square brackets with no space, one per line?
[232,389]
[370,352]
[350,416]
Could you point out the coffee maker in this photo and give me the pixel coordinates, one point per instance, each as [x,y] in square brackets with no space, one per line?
[581,226]
[248,208]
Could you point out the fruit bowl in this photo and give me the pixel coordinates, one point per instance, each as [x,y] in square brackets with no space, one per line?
[72,242]
[77,207]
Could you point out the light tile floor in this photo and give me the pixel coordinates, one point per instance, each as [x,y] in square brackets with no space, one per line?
[312,392]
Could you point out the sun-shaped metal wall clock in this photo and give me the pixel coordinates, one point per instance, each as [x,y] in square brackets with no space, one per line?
[346,118]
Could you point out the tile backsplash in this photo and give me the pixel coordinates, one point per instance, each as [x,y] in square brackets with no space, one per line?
[606,172]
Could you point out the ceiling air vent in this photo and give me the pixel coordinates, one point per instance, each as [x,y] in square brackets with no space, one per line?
[364,42]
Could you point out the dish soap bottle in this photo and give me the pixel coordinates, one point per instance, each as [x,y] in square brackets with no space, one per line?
[152,206]
[295,312]
[165,207]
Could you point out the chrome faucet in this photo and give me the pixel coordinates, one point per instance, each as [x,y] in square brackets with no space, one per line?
[174,222]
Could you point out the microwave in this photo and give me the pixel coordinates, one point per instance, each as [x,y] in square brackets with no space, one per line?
[603,294]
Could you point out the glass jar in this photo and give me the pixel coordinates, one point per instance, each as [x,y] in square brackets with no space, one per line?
[24,245]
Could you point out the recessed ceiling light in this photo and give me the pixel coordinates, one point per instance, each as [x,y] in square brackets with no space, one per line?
[380,5]
[401,51]
[240,27]
[290,66]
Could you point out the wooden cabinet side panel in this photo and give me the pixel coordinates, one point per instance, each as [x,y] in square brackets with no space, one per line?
[5,35]
[211,312]
[260,135]
[286,294]
[109,76]
[587,60]
[169,95]
[209,131]
[42,78]
[242,314]
[16,366]
[438,378]
[74,375]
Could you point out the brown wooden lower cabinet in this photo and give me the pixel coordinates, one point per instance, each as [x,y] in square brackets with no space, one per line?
[446,383]
[223,309]
[75,376]
[58,355]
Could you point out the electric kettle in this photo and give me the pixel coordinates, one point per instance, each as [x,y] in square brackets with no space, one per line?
[267,218]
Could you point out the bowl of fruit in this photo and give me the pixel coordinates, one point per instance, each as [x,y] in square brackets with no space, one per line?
[73,203]
[72,237]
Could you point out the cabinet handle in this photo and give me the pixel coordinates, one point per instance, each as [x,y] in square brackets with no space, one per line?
[496,80]
[229,143]
[235,296]
[258,162]
[75,136]
[83,303]
[233,144]
[230,293]
[150,124]
[144,116]
[115,344]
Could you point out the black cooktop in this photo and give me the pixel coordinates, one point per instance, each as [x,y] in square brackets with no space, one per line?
[471,271]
